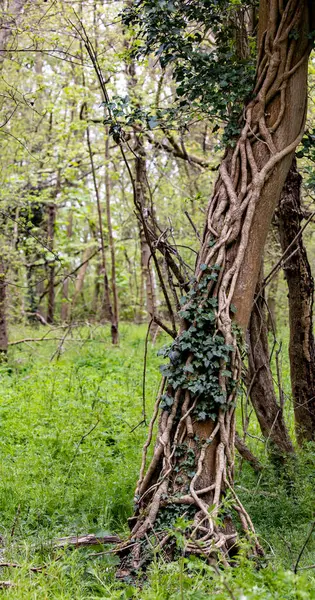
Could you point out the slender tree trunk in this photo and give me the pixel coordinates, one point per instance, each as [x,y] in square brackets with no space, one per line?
[87,254]
[193,459]
[106,307]
[142,201]
[111,241]
[51,220]
[143,204]
[65,306]
[3,319]
[260,381]
[96,293]
[301,296]
[9,21]
[141,310]
[271,301]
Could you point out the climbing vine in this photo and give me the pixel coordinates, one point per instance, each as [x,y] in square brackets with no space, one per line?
[197,355]
[195,407]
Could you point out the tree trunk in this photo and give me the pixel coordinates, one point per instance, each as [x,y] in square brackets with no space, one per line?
[193,459]
[111,241]
[260,381]
[301,295]
[96,292]
[106,306]
[271,302]
[87,254]
[143,204]
[9,21]
[65,306]
[52,211]
[3,320]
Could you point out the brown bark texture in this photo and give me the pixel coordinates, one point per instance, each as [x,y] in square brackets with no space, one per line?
[192,466]
[51,220]
[3,321]
[65,306]
[111,238]
[143,206]
[9,21]
[301,296]
[106,306]
[268,410]
[142,201]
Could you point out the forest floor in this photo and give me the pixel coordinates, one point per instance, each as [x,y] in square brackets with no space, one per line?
[70,452]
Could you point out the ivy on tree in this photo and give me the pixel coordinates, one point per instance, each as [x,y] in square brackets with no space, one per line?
[207,350]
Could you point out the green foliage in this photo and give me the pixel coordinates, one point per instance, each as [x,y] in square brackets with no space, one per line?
[198,41]
[307,151]
[45,409]
[200,375]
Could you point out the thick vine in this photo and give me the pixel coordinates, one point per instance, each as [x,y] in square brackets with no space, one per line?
[193,459]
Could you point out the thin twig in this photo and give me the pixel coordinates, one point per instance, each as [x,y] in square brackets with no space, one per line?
[303,547]
[84,436]
[145,371]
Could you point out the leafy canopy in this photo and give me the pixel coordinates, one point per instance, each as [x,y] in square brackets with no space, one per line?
[206,45]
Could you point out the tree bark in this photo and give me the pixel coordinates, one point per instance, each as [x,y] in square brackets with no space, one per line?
[260,381]
[3,320]
[301,297]
[106,306]
[193,459]
[9,20]
[51,220]
[87,254]
[141,186]
[111,241]
[65,306]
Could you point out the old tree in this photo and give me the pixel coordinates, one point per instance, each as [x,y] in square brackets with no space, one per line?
[192,466]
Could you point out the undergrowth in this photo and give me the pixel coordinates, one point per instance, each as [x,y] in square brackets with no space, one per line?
[70,449]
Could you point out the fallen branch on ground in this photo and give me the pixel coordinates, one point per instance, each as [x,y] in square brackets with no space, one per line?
[6,584]
[86,540]
[17,566]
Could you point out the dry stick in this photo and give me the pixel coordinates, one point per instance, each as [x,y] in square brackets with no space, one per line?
[85,540]
[279,264]
[110,232]
[42,339]
[192,224]
[16,518]
[84,436]
[145,372]
[303,547]
[228,589]
[95,64]
[149,438]
[100,224]
[58,350]
[6,584]
[32,569]
[145,228]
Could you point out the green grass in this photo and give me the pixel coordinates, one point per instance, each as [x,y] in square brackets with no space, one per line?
[52,485]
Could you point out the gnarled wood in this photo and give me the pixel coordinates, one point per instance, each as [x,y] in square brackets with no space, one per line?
[260,381]
[301,297]
[239,214]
